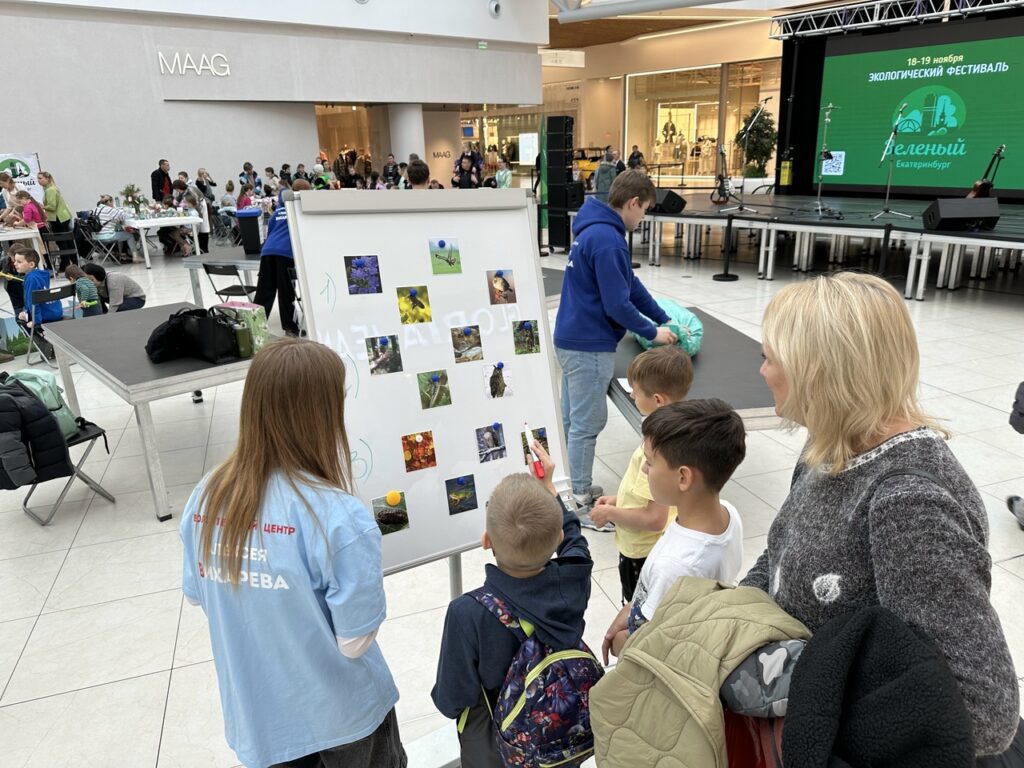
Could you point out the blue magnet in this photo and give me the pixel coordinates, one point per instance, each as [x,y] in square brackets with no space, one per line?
[358,263]
[499,273]
[527,326]
[440,243]
[499,366]
[435,378]
[542,432]
[468,331]
[383,341]
[462,481]
[412,292]
[496,426]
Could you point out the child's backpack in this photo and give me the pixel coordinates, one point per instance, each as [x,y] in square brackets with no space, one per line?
[542,716]
[43,385]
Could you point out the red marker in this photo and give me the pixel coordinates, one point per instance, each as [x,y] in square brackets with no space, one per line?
[538,465]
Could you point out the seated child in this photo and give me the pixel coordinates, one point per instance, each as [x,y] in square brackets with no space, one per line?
[26,264]
[691,449]
[657,377]
[85,290]
[526,523]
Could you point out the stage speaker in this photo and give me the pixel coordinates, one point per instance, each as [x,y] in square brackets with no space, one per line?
[558,229]
[668,202]
[559,176]
[559,158]
[558,197]
[961,214]
[560,124]
[575,196]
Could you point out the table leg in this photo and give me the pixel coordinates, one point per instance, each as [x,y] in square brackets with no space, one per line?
[922,270]
[455,575]
[943,265]
[762,252]
[145,247]
[773,235]
[908,293]
[144,417]
[195,239]
[657,244]
[37,242]
[70,394]
[197,290]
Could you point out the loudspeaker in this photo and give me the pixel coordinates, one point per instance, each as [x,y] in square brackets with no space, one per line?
[961,214]
[575,196]
[668,202]
[559,158]
[559,176]
[558,197]
[560,124]
[558,229]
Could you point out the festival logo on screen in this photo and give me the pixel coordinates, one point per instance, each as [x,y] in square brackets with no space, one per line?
[17,168]
[932,111]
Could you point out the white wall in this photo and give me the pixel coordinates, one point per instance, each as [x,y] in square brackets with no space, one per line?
[521,21]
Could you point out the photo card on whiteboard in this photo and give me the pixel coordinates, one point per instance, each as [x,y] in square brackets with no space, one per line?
[502,286]
[362,274]
[384,354]
[461,493]
[391,514]
[444,257]
[497,381]
[490,443]
[540,435]
[434,389]
[414,305]
[526,336]
[418,451]
[466,344]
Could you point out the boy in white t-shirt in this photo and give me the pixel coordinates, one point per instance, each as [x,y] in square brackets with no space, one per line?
[691,449]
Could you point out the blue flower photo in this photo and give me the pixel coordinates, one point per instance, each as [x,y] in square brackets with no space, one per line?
[362,274]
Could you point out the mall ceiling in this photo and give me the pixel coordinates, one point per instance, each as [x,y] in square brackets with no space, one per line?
[599,32]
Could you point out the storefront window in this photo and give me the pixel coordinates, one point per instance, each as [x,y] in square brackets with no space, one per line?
[673,118]
[748,83]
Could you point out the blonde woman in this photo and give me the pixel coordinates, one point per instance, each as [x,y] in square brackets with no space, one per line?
[841,359]
[286,564]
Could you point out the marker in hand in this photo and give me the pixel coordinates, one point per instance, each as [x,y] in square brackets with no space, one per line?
[538,465]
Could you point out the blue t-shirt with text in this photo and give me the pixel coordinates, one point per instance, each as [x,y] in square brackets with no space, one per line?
[310,574]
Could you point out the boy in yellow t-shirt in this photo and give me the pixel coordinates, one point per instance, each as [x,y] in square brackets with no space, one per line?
[657,377]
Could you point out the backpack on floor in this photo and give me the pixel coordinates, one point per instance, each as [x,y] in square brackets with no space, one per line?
[542,716]
[43,385]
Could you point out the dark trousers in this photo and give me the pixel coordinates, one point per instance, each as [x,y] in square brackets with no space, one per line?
[204,242]
[1011,758]
[16,293]
[62,226]
[275,281]
[381,749]
[95,309]
[127,305]
[629,575]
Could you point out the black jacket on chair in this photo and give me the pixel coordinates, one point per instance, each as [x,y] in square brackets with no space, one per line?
[32,447]
[869,690]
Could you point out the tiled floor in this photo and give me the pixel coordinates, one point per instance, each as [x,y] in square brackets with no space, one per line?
[101,663]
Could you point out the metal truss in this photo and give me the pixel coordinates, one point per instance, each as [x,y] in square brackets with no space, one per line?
[880,13]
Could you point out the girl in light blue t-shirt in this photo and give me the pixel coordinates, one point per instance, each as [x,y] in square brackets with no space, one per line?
[286,563]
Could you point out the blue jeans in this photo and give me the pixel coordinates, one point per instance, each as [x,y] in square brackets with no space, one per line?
[585,380]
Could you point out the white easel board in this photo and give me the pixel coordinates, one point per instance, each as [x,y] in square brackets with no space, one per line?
[435,301]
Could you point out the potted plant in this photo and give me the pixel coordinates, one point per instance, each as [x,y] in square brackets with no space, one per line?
[760,143]
[133,197]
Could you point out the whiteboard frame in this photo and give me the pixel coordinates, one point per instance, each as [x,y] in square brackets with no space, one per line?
[353,202]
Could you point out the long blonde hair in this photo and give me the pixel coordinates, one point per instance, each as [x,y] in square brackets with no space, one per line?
[292,421]
[848,351]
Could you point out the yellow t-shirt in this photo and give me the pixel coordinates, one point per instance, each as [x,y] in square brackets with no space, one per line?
[635,493]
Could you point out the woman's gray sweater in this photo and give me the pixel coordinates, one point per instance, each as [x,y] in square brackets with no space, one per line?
[917,548]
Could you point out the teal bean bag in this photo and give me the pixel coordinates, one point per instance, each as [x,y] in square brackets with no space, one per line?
[683,323]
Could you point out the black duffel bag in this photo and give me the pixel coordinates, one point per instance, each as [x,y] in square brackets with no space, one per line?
[207,334]
[1017,412]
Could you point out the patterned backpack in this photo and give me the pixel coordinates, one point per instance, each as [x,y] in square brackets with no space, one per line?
[542,716]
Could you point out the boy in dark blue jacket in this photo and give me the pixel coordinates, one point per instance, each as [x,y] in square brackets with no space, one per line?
[601,300]
[526,523]
[26,263]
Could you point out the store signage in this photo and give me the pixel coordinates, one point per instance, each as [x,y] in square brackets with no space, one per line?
[559,58]
[442,153]
[182,64]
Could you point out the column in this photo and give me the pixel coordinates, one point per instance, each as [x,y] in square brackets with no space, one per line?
[407,134]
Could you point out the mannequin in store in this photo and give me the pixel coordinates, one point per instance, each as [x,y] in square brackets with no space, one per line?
[668,131]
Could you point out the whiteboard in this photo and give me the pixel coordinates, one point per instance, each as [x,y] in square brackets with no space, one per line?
[467,358]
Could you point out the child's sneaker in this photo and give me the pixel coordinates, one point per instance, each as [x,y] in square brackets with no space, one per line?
[1016,505]
[586,521]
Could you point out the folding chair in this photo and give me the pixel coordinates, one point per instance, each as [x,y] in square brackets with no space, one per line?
[87,433]
[102,249]
[59,244]
[231,291]
[60,293]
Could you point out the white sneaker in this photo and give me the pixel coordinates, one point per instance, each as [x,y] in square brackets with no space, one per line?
[586,521]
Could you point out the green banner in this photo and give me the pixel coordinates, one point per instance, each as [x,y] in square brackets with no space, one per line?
[962,101]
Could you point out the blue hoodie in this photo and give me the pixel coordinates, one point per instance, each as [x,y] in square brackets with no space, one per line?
[51,311]
[601,298]
[477,650]
[278,242]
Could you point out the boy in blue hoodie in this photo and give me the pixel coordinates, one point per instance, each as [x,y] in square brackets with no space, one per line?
[276,259]
[26,263]
[526,523]
[601,300]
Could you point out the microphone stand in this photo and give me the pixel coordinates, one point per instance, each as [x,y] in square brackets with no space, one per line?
[823,211]
[888,151]
[741,208]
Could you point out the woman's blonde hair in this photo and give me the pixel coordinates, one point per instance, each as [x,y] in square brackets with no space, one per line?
[292,421]
[848,351]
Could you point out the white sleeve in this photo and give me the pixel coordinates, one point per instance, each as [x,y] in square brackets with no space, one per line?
[665,572]
[353,648]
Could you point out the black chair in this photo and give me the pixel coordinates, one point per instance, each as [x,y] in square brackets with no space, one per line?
[60,293]
[87,433]
[232,291]
[61,245]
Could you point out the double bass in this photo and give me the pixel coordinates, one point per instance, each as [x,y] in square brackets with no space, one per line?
[983,186]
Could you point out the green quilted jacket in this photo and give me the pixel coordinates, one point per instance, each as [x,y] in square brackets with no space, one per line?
[659,706]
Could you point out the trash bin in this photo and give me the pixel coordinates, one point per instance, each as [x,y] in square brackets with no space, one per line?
[249,227]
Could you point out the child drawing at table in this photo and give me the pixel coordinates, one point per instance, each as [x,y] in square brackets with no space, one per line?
[86,292]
